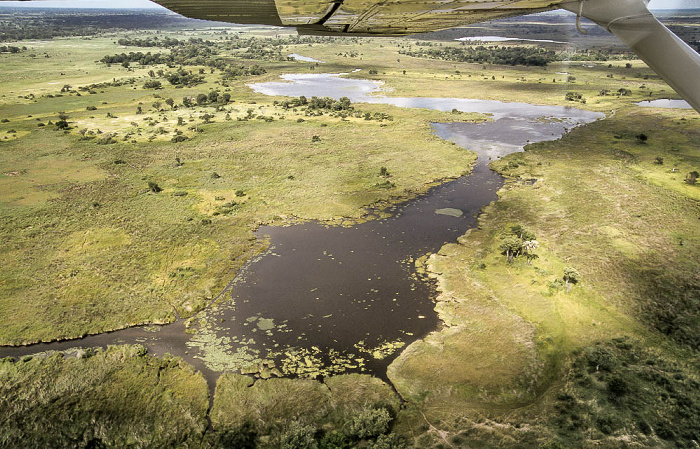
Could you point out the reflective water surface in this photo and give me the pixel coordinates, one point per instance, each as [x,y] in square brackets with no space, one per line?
[665,103]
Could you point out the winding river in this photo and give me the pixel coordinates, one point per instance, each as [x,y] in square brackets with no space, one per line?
[326,300]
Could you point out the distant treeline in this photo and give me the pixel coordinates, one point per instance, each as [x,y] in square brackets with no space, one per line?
[142,58]
[512,55]
[342,104]
[11,49]
[151,42]
[40,23]
[227,55]
[502,55]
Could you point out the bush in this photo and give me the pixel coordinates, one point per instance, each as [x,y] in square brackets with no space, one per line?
[153,187]
[573,96]
[242,437]
[618,387]
[370,423]
[334,440]
[298,436]
[62,124]
[152,84]
[391,441]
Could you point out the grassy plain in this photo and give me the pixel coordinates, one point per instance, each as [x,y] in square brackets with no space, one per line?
[601,204]
[118,397]
[88,246]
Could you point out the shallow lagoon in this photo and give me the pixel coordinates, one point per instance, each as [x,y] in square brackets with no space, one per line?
[665,103]
[324,299]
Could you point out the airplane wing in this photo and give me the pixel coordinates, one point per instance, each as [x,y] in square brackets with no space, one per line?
[367,17]
[630,20]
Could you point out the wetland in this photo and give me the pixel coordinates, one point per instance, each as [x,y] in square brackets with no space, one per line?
[326,300]
[219,262]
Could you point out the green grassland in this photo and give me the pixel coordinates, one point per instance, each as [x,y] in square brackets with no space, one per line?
[602,205]
[522,360]
[89,247]
[118,397]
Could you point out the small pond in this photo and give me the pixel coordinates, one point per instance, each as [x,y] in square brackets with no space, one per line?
[665,103]
[506,39]
[303,58]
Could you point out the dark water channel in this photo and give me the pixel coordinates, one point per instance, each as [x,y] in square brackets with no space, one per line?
[325,300]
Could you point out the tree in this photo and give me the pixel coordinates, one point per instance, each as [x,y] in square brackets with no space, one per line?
[510,247]
[62,124]
[573,96]
[692,177]
[243,437]
[571,276]
[152,84]
[528,248]
[170,102]
[298,436]
[370,423]
[522,232]
[390,441]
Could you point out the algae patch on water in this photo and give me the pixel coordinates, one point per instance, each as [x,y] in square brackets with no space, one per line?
[381,351]
[450,212]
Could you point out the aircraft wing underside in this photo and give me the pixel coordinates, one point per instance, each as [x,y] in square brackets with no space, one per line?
[388,17]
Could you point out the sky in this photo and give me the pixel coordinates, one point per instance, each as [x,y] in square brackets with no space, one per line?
[653,4]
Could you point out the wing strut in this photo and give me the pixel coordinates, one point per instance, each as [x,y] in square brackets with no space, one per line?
[630,20]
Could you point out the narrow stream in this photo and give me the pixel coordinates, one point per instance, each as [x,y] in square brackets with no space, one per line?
[326,300]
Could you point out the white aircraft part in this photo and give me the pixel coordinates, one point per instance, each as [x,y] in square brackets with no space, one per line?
[630,20]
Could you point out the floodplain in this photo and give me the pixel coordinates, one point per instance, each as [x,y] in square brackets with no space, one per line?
[132,186]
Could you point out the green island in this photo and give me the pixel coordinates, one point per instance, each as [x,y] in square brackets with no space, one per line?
[136,165]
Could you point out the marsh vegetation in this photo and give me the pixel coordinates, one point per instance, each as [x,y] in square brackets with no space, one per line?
[131,189]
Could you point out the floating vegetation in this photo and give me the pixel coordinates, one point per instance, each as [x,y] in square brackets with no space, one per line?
[313,363]
[218,353]
[266,324]
[450,212]
[382,351]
